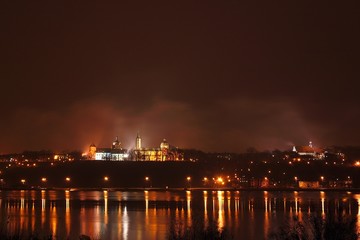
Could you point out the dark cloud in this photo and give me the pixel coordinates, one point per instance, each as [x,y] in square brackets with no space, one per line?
[210,75]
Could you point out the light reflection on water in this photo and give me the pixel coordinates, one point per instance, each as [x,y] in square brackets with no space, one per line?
[149,214]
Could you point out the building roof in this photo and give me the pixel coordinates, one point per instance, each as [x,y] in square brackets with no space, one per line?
[308,149]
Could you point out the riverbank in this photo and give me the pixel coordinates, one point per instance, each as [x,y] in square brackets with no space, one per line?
[176,175]
[348,190]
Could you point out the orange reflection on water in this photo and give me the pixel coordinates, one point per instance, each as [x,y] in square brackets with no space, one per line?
[33,195]
[146,196]
[105,207]
[33,215]
[213,206]
[22,209]
[221,214]
[188,207]
[229,205]
[125,224]
[54,218]
[322,196]
[253,213]
[119,222]
[236,208]
[206,220]
[266,214]
[67,212]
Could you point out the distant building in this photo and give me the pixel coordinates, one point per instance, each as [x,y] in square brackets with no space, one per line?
[164,153]
[309,184]
[114,153]
[309,151]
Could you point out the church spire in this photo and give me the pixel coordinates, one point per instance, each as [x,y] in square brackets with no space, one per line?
[138,142]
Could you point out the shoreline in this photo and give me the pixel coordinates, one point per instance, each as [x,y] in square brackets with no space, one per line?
[155,189]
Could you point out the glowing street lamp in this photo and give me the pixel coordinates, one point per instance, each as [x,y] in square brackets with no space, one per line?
[220,181]
[23,181]
[147,181]
[67,179]
[44,180]
[296,181]
[188,179]
[322,178]
[205,180]
[106,178]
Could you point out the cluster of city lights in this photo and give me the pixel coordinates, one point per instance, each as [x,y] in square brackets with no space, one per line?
[67,179]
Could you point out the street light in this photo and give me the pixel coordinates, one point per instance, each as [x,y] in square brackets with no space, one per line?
[205,180]
[296,181]
[106,178]
[23,181]
[147,181]
[188,179]
[43,180]
[67,180]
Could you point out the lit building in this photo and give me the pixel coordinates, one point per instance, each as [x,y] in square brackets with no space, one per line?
[309,151]
[164,153]
[92,151]
[309,184]
[115,153]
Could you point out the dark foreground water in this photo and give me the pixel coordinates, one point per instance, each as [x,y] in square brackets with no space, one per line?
[150,214]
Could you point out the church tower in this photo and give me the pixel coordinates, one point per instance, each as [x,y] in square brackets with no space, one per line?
[92,151]
[138,142]
[116,144]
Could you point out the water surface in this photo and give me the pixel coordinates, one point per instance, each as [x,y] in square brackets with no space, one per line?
[150,214]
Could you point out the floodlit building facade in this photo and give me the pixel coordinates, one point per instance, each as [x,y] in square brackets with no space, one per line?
[309,151]
[165,152]
[114,153]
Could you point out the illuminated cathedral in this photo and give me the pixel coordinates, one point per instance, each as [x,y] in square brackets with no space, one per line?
[165,152]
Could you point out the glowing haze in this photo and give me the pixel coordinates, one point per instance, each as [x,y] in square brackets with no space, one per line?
[211,75]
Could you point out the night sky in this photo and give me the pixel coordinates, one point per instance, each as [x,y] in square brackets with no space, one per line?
[210,75]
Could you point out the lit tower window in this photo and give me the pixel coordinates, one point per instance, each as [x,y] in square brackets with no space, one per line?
[138,142]
[164,145]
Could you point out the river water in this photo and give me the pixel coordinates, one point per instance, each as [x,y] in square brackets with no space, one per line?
[150,214]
